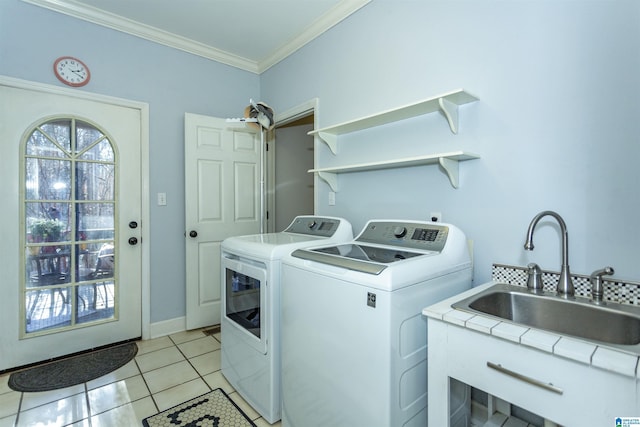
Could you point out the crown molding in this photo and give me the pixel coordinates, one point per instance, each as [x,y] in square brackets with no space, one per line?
[338,13]
[138,29]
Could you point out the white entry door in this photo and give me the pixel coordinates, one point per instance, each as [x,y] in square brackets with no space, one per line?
[70,236]
[222,199]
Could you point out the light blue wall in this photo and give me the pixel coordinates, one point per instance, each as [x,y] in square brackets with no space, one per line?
[557,124]
[170,81]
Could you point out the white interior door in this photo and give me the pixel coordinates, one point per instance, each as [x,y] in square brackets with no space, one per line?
[92,293]
[222,199]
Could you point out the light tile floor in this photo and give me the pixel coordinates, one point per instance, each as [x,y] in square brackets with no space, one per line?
[166,372]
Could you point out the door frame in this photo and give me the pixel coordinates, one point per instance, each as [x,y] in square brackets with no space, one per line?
[144,171]
[302,110]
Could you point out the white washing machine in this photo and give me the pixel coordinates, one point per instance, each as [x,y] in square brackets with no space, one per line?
[250,323]
[354,343]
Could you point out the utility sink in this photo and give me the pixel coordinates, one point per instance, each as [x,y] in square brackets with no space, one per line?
[614,324]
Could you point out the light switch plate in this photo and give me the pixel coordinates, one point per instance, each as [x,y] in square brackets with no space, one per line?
[332,198]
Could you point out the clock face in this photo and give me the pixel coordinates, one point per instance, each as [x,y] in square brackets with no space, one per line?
[71,71]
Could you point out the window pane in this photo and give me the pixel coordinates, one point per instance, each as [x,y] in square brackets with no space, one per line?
[102,151]
[95,301]
[87,260]
[96,221]
[96,181]
[47,179]
[48,266]
[39,145]
[86,135]
[59,131]
[47,222]
[96,262]
[47,308]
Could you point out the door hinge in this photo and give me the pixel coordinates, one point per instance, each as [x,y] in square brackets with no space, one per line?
[267,146]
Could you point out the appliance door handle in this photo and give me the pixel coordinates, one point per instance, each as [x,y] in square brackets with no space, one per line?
[533,381]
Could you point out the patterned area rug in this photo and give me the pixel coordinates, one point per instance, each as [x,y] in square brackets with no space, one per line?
[73,370]
[213,409]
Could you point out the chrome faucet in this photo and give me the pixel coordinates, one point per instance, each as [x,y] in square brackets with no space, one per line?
[534,278]
[565,285]
[597,285]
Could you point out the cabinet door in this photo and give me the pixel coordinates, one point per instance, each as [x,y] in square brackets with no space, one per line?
[468,354]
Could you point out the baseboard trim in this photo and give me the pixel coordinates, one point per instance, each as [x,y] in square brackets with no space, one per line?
[168,327]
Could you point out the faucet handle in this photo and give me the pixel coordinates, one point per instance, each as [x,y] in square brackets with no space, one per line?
[534,277]
[597,288]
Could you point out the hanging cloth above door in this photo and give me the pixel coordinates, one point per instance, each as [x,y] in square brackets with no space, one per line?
[262,113]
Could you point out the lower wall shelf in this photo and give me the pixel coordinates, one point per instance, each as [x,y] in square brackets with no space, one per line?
[448,161]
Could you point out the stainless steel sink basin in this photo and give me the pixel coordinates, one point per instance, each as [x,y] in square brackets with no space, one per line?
[614,324]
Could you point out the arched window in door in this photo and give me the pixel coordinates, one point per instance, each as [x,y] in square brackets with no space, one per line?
[69,205]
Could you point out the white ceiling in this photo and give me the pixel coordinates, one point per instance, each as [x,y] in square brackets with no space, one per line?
[249,34]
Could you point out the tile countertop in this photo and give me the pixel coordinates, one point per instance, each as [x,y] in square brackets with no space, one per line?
[576,349]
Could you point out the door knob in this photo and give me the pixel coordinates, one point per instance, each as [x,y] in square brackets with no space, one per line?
[133,241]
[193,233]
[133,224]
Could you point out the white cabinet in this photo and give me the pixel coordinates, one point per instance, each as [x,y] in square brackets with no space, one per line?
[558,389]
[446,103]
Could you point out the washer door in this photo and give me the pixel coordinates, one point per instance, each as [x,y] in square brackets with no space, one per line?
[244,299]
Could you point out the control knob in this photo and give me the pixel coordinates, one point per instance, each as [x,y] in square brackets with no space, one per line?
[400,231]
[312,223]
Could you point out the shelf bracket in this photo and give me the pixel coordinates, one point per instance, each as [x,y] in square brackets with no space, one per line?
[331,179]
[450,166]
[450,111]
[331,140]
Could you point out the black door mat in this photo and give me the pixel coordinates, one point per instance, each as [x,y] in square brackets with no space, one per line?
[213,409]
[73,370]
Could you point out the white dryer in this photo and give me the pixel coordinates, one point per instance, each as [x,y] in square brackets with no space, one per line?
[250,323]
[354,343]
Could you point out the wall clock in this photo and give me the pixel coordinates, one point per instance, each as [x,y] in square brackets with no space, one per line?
[71,71]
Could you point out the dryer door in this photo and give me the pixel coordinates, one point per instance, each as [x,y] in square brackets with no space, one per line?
[244,299]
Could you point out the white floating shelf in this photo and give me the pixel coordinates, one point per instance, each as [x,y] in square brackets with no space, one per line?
[447,103]
[448,161]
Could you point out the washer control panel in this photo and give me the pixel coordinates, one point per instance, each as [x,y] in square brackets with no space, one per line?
[418,235]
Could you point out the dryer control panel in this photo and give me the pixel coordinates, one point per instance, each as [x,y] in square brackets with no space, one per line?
[315,225]
[418,235]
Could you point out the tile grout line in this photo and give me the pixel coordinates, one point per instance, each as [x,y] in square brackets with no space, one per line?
[19,408]
[174,344]
[146,384]
[86,398]
[189,361]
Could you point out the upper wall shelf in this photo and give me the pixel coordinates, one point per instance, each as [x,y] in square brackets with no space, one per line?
[448,162]
[447,103]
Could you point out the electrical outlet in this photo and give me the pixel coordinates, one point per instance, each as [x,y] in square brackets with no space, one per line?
[436,216]
[162,199]
[332,198]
